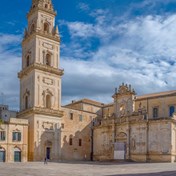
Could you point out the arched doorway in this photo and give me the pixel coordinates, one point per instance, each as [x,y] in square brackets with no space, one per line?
[2,154]
[120,148]
[48,147]
[17,155]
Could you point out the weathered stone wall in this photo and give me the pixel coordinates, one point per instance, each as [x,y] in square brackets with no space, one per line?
[103,143]
[145,140]
[77,128]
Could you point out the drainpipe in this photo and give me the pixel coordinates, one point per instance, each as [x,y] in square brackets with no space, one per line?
[147,138]
[129,141]
[7,139]
[92,143]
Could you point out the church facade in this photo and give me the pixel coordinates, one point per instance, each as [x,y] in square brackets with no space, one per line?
[138,128]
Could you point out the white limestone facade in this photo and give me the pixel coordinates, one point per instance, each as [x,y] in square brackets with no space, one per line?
[40,82]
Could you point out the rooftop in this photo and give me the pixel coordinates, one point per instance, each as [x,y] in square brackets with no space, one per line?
[155,95]
[86,101]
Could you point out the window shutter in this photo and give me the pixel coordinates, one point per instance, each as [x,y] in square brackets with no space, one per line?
[19,136]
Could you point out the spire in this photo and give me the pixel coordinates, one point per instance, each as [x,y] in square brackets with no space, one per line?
[57,31]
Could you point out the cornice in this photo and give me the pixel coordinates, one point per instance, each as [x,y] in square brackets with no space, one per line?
[41,67]
[51,12]
[41,111]
[42,34]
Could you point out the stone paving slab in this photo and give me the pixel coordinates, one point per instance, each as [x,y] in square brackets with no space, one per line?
[87,169]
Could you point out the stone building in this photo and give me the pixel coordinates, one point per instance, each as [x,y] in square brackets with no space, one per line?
[139,128]
[40,82]
[6,114]
[77,134]
[14,140]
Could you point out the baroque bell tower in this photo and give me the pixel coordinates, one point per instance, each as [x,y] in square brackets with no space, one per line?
[40,81]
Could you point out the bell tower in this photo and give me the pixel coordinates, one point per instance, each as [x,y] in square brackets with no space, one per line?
[40,80]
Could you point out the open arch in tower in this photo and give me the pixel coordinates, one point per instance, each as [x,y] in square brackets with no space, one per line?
[48,59]
[46,6]
[26,102]
[46,27]
[27,61]
[47,98]
[26,99]
[48,101]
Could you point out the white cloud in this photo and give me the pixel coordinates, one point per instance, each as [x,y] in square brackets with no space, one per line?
[80,29]
[141,51]
[10,62]
[83,6]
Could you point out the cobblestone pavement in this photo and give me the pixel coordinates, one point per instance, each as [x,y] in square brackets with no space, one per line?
[87,169]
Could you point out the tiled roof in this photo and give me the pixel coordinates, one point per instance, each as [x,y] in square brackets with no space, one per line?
[155,95]
[87,101]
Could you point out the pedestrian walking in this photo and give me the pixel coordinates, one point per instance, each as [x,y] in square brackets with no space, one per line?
[45,161]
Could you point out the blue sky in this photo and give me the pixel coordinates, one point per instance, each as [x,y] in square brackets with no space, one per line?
[104,43]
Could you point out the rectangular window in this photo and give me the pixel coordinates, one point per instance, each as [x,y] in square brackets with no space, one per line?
[71,141]
[155,112]
[16,136]
[80,118]
[2,135]
[171,111]
[71,116]
[80,142]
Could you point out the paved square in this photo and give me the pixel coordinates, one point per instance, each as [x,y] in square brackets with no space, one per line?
[87,169]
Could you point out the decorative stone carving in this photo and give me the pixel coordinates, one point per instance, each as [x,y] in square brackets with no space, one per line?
[121,135]
[27,93]
[47,91]
[48,143]
[47,45]
[48,126]
[41,67]
[48,81]
[124,90]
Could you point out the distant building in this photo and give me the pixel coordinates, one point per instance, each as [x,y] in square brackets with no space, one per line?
[6,114]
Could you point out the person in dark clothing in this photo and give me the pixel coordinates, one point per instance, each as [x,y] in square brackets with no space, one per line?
[45,161]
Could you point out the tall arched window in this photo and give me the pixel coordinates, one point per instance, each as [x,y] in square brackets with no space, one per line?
[171,110]
[46,6]
[48,101]
[48,59]
[155,112]
[46,27]
[27,61]
[26,102]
